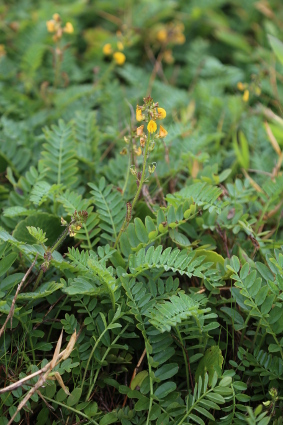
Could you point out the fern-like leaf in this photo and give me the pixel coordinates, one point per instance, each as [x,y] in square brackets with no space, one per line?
[59,155]
[169,313]
[110,208]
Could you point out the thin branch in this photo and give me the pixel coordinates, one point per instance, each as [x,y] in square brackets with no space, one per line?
[135,372]
[12,309]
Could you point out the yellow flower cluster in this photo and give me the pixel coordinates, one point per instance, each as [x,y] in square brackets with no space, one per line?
[150,112]
[54,25]
[246,90]
[118,57]
[170,34]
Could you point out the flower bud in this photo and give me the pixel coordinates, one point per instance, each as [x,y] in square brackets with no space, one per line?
[140,130]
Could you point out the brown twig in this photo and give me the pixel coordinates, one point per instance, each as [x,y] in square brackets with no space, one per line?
[12,309]
[135,372]
[44,373]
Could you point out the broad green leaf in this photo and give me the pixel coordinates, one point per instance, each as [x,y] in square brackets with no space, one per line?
[138,379]
[75,396]
[7,262]
[141,230]
[164,389]
[50,224]
[167,371]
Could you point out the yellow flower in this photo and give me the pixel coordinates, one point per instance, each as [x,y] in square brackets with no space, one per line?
[167,57]
[142,141]
[107,49]
[69,29]
[140,130]
[119,58]
[179,38]
[56,17]
[2,50]
[258,91]
[50,25]
[120,45]
[124,151]
[78,227]
[161,113]
[138,151]
[162,132]
[240,86]
[152,127]
[246,95]
[139,116]
[162,36]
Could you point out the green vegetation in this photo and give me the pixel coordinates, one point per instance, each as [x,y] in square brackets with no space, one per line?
[141,265]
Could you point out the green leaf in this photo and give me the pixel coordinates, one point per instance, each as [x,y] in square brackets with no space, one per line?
[211,360]
[164,389]
[141,230]
[75,396]
[261,295]
[264,271]
[109,418]
[138,379]
[225,382]
[167,371]
[7,262]
[244,398]
[277,47]
[50,224]
[196,419]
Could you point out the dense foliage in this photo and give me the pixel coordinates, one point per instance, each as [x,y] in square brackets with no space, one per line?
[151,253]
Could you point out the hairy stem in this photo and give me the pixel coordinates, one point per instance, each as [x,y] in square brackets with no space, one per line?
[141,182]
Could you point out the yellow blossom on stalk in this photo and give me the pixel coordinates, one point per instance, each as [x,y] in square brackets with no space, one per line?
[258,91]
[142,141]
[124,151]
[50,25]
[161,113]
[107,49]
[56,17]
[69,29]
[119,58]
[139,116]
[167,57]
[240,86]
[246,95]
[140,130]
[120,45]
[138,151]
[162,132]
[2,50]
[162,35]
[179,38]
[152,127]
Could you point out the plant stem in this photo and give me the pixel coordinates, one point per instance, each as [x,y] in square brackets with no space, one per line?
[185,357]
[57,243]
[141,181]
[78,412]
[150,382]
[103,358]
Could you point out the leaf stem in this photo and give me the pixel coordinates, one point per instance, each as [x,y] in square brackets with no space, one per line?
[141,182]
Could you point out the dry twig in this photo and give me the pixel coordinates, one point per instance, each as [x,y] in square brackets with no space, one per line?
[12,309]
